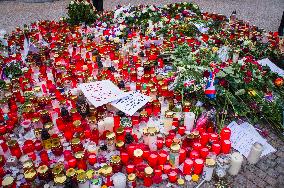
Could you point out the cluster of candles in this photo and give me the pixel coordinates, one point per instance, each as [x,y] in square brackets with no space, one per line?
[51,136]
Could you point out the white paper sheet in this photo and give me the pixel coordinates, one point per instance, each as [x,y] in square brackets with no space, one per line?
[131,103]
[244,136]
[101,92]
[271,65]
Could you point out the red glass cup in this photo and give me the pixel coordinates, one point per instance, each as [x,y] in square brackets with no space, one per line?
[187,167]
[225,133]
[204,152]
[92,159]
[168,142]
[160,144]
[163,155]
[153,160]
[213,137]
[44,157]
[181,130]
[72,162]
[204,138]
[198,166]
[216,148]
[130,168]
[226,146]
[194,154]
[182,155]
[124,157]
[173,176]
[196,146]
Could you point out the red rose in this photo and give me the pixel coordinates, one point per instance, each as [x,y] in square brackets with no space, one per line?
[249,73]
[223,82]
[247,80]
[206,74]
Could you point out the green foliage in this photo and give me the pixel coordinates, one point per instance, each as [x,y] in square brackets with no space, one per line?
[81,12]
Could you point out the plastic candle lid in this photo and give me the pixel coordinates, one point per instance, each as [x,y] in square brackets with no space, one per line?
[7,181]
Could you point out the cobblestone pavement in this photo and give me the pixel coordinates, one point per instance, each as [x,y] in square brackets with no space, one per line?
[269,172]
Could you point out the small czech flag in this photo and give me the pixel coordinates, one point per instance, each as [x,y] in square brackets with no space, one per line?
[210,90]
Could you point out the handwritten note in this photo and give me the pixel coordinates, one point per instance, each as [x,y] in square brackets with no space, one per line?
[272,66]
[244,136]
[101,92]
[131,103]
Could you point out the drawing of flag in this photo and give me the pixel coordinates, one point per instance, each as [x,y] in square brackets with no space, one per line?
[210,90]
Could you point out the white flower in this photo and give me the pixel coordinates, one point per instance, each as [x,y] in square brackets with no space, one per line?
[152,8]
[86,3]
[72,2]
[121,27]
[116,40]
[165,6]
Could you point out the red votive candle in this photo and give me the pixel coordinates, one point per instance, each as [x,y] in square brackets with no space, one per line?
[204,152]
[163,155]
[153,159]
[182,155]
[187,167]
[216,148]
[130,168]
[181,130]
[213,137]
[38,145]
[173,176]
[225,133]
[204,138]
[226,146]
[167,168]
[44,157]
[92,159]
[160,144]
[196,146]
[169,142]
[194,154]
[146,154]
[130,150]
[72,162]
[124,157]
[198,166]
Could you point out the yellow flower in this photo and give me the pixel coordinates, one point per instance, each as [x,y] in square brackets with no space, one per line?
[252,92]
[195,177]
[215,49]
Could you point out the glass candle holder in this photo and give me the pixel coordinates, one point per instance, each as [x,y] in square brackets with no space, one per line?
[174,155]
[43,172]
[226,146]
[216,148]
[56,148]
[182,155]
[198,166]
[204,152]
[148,182]
[137,156]
[92,159]
[173,176]
[130,168]
[152,160]
[131,180]
[187,167]
[163,157]
[225,134]
[81,162]
[72,162]
[15,149]
[76,145]
[124,157]
[116,163]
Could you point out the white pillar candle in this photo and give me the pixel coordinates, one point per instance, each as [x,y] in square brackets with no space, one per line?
[255,153]
[168,122]
[236,163]
[189,118]
[109,123]
[145,136]
[140,72]
[208,169]
[152,140]
[119,180]
[101,127]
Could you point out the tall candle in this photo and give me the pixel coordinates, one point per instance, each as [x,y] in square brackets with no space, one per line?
[236,163]
[208,169]
[226,146]
[189,118]
[255,153]
[101,127]
[168,121]
[198,166]
[152,138]
[109,123]
[225,134]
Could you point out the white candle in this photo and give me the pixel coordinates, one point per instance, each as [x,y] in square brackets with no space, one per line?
[168,122]
[152,139]
[255,153]
[119,180]
[189,118]
[109,123]
[145,136]
[101,127]
[236,163]
[208,169]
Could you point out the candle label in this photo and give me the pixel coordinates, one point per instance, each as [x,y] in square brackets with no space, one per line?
[174,159]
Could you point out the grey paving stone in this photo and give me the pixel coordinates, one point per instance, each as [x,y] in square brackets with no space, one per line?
[271,181]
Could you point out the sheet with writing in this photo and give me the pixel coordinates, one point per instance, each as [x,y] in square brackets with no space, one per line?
[131,103]
[244,136]
[101,92]
[271,65]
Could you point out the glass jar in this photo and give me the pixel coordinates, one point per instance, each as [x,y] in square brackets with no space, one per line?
[15,149]
[208,169]
[174,155]
[59,180]
[107,172]
[30,175]
[148,182]
[168,121]
[131,180]
[56,147]
[110,138]
[57,169]
[43,172]
[82,180]
[81,162]
[152,138]
[76,145]
[116,163]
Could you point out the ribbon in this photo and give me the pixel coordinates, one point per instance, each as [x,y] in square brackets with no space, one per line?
[210,90]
